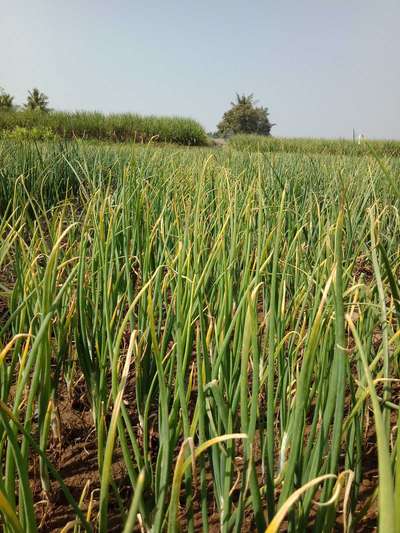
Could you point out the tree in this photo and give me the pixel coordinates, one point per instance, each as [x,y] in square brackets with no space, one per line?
[6,101]
[37,101]
[245,117]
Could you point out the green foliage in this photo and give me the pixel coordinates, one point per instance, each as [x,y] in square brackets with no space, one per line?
[20,133]
[245,117]
[220,322]
[255,143]
[37,101]
[115,127]
[6,101]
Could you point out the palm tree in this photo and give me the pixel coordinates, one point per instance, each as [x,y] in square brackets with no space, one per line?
[37,101]
[6,101]
[245,117]
[244,99]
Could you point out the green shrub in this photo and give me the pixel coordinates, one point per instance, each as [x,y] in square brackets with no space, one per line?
[21,133]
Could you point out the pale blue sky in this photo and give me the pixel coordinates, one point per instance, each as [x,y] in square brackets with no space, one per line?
[321,67]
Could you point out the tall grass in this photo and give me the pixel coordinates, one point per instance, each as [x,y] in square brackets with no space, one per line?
[339,147]
[92,125]
[231,319]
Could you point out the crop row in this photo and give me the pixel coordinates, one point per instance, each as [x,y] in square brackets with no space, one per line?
[218,332]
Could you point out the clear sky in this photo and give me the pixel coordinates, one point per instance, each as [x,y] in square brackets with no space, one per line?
[321,67]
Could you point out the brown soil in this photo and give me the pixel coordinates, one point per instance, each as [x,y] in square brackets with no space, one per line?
[74,453]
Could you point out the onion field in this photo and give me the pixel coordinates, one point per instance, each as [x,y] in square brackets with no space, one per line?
[198,339]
